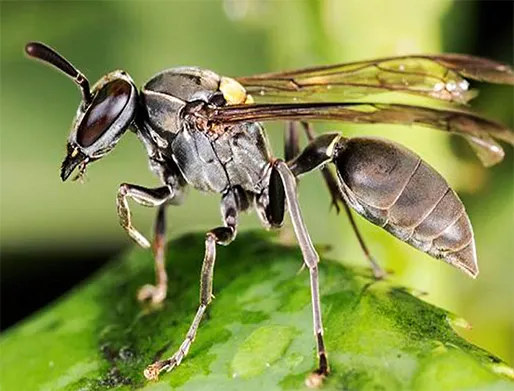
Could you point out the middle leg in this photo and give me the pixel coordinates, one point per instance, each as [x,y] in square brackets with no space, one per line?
[220,235]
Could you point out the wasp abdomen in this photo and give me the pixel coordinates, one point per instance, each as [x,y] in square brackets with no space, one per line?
[393,188]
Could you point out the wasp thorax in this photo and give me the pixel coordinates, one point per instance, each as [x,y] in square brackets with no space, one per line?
[107,106]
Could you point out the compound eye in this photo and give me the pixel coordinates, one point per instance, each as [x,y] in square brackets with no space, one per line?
[106,107]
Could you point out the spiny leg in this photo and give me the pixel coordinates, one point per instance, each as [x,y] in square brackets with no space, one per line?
[337,198]
[311,259]
[143,196]
[378,272]
[336,195]
[158,197]
[221,235]
[157,293]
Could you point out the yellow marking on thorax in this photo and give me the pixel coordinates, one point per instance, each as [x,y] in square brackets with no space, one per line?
[233,92]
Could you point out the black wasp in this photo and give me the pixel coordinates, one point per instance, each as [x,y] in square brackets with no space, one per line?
[205,130]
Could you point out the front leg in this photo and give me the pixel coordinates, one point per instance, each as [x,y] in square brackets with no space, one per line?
[143,196]
[148,197]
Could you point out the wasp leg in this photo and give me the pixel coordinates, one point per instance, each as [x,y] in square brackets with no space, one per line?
[157,293]
[143,196]
[291,141]
[158,197]
[223,236]
[337,197]
[378,272]
[311,259]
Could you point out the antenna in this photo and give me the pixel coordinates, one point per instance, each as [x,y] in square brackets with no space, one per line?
[46,54]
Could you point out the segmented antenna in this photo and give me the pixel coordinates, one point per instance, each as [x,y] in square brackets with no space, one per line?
[46,54]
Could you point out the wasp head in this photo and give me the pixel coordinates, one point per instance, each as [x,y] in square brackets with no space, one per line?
[105,113]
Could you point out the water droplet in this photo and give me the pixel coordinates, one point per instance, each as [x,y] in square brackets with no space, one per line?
[451,86]
[464,85]
[495,148]
[438,87]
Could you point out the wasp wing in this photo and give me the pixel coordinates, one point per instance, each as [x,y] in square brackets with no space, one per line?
[440,77]
[478,131]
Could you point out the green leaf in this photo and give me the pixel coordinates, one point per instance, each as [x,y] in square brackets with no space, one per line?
[257,335]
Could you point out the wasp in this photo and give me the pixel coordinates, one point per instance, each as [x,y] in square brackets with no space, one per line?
[204,130]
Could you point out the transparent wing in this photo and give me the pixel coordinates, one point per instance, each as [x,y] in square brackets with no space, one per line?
[478,131]
[441,77]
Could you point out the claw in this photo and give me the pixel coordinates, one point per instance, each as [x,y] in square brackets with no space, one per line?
[151,372]
[316,378]
[378,272]
[156,294]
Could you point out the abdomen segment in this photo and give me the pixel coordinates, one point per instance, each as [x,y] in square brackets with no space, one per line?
[393,188]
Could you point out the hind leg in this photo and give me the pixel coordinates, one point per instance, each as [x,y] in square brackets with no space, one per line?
[292,151]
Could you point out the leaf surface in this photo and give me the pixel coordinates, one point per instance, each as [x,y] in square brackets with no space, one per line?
[257,335]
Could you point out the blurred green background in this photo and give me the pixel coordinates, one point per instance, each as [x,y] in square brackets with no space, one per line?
[54,234]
